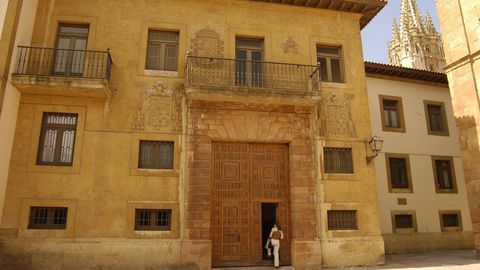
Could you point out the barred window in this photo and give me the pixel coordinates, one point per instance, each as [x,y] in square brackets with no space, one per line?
[57,139]
[404,221]
[338,160]
[162,50]
[156,155]
[342,220]
[53,218]
[153,219]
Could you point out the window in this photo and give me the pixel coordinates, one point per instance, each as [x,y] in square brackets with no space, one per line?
[155,155]
[249,65]
[404,221]
[444,174]
[398,173]
[162,50]
[450,220]
[342,220]
[57,139]
[53,218]
[338,160]
[436,118]
[331,65]
[71,45]
[392,114]
[153,219]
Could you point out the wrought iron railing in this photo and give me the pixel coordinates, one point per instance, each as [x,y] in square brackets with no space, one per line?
[85,64]
[209,71]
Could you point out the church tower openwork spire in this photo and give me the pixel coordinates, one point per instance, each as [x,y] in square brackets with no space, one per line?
[415,41]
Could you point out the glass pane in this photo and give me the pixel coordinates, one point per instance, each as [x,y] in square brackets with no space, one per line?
[336,70]
[78,57]
[66,151]
[450,220]
[249,43]
[171,60]
[241,55]
[153,57]
[323,68]
[48,146]
[163,36]
[398,173]
[328,50]
[63,43]
[83,30]
[403,221]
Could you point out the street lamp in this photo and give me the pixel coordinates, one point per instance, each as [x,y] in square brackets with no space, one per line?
[375,144]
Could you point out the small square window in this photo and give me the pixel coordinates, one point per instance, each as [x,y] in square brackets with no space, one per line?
[342,220]
[153,219]
[404,222]
[57,139]
[436,118]
[331,64]
[444,175]
[392,114]
[398,173]
[156,155]
[52,218]
[450,220]
[162,50]
[338,160]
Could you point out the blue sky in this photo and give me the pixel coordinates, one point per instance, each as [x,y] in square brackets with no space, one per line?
[379,31]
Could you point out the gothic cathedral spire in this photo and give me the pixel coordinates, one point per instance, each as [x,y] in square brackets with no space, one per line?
[415,42]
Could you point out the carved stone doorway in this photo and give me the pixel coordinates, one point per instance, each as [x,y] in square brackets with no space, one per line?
[245,175]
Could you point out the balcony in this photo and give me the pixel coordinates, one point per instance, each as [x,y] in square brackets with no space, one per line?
[64,72]
[239,76]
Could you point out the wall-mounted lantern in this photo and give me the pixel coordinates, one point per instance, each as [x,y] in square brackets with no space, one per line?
[375,144]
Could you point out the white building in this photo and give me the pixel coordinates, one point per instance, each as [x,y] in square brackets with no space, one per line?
[420,181]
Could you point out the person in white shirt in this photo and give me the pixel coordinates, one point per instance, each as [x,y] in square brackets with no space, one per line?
[275,235]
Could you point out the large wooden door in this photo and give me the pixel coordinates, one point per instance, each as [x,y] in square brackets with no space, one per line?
[244,176]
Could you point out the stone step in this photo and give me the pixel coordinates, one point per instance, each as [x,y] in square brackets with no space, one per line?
[256,268]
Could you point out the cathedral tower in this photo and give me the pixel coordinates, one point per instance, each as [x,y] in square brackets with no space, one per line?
[415,42]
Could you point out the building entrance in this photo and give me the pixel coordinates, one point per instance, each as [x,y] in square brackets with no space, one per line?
[250,191]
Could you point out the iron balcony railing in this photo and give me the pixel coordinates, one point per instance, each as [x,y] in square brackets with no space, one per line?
[85,64]
[209,71]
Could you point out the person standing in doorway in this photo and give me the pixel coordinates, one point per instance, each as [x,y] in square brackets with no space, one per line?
[275,235]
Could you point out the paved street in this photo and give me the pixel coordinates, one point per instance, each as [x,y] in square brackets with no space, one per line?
[451,260]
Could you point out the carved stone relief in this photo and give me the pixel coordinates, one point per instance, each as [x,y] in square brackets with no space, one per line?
[290,46]
[207,43]
[335,116]
[159,107]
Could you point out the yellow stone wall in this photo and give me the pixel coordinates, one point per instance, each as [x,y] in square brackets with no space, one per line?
[104,185]
[461,38]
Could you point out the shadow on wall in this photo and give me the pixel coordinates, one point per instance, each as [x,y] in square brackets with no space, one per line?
[469,145]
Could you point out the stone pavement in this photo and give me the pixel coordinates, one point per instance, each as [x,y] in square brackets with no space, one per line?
[448,260]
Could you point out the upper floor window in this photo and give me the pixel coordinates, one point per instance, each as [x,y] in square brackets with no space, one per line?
[398,173]
[444,175]
[331,63]
[436,118]
[71,46]
[57,139]
[338,160]
[249,66]
[156,155]
[54,218]
[162,50]
[392,114]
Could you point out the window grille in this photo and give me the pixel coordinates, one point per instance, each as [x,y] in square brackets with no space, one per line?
[162,50]
[338,160]
[53,218]
[398,173]
[450,220]
[153,219]
[404,222]
[342,220]
[57,139]
[156,155]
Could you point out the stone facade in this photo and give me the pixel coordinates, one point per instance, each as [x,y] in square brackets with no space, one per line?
[460,31]
[415,42]
[104,184]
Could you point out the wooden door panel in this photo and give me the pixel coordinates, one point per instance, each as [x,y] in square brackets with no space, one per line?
[244,175]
